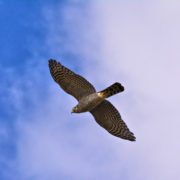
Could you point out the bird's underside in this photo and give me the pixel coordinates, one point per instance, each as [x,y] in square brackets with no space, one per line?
[105,114]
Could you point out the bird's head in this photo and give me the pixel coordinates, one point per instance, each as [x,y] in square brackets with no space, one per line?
[75,109]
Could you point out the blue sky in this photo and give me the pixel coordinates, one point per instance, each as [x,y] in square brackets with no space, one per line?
[135,43]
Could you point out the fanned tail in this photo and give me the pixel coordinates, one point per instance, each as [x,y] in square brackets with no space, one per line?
[111,90]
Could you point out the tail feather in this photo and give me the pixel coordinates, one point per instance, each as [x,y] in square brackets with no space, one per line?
[111,90]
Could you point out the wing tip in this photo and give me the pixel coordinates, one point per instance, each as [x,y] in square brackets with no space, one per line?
[53,61]
[131,137]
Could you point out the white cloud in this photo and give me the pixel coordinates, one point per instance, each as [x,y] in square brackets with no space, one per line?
[140,43]
[134,43]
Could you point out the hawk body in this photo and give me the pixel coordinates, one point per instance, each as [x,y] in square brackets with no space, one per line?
[105,114]
[88,103]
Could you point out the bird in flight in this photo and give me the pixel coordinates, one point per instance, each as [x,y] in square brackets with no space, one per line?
[105,114]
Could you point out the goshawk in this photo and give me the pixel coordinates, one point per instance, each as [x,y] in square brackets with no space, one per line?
[105,114]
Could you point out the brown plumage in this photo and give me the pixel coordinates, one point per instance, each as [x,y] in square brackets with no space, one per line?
[105,114]
[70,82]
[111,90]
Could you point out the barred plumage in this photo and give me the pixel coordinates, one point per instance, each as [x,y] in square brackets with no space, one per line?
[70,82]
[105,114]
[112,90]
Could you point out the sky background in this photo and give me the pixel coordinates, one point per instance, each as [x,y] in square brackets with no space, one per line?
[136,43]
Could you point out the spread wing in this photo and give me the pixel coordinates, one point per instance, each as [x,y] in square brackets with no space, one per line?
[70,82]
[107,116]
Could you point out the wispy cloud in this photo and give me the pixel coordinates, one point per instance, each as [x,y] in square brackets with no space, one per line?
[140,43]
[134,43]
